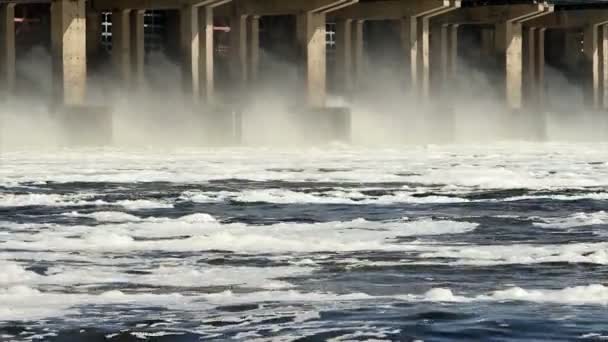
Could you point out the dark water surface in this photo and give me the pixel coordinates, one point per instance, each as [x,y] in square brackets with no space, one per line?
[501,243]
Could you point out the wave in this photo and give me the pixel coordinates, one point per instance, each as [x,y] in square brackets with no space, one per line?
[202,232]
[26,303]
[575,220]
[73,200]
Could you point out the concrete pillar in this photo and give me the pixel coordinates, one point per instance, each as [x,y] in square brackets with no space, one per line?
[344,55]
[94,31]
[604,42]
[137,48]
[207,47]
[436,59]
[238,49]
[592,58]
[409,41]
[423,55]
[190,50]
[254,48]
[312,42]
[68,32]
[454,51]
[514,64]
[449,52]
[121,46]
[540,67]
[7,48]
[530,62]
[359,51]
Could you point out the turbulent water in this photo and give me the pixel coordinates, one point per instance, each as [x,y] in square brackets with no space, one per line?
[502,242]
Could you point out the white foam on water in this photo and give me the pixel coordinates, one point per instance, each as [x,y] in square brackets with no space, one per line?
[72,200]
[598,196]
[143,204]
[175,274]
[493,255]
[12,273]
[26,303]
[285,196]
[50,200]
[469,255]
[491,166]
[595,294]
[575,220]
[107,216]
[202,232]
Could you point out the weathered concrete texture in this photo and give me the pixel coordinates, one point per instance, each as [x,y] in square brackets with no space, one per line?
[449,53]
[358,43]
[409,42]
[312,41]
[137,48]
[529,39]
[593,66]
[540,67]
[509,40]
[206,45]
[7,48]
[69,51]
[604,55]
[121,46]
[190,50]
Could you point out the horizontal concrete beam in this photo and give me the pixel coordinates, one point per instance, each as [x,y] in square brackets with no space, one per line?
[101,5]
[283,7]
[489,15]
[570,19]
[391,9]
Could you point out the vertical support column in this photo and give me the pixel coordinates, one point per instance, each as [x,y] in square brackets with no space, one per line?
[453,51]
[137,48]
[207,63]
[605,64]
[514,64]
[445,52]
[190,50]
[435,59]
[592,56]
[529,52]
[449,51]
[68,32]
[409,42]
[7,48]
[423,55]
[540,67]
[121,45]
[359,46]
[312,40]
[344,55]
[238,49]
[254,48]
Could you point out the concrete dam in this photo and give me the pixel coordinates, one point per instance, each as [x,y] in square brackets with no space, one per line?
[217,45]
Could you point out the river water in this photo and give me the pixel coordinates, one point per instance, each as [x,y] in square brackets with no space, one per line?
[491,242]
